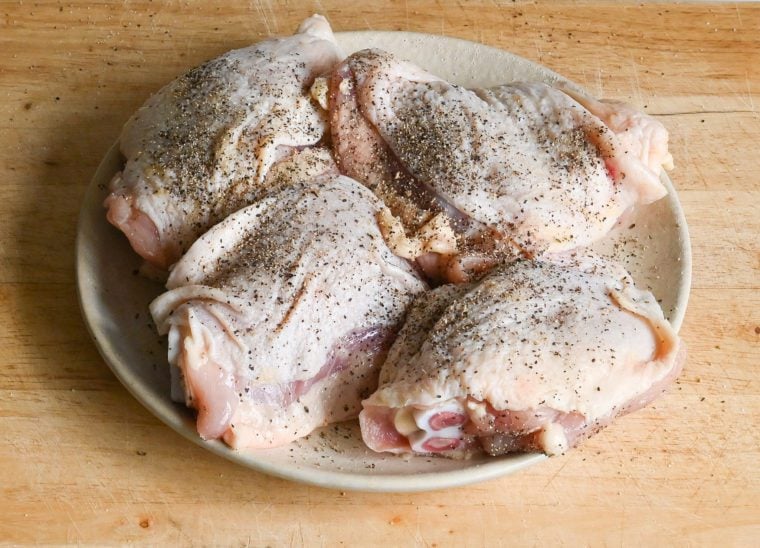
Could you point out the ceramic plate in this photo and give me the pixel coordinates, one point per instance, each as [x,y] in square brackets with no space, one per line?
[115,299]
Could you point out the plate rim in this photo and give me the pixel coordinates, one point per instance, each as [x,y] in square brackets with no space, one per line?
[396,483]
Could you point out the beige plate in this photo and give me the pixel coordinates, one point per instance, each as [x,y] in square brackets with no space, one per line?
[114,301]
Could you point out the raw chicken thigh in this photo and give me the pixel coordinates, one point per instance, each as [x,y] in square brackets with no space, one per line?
[297,200]
[201,147]
[475,175]
[534,357]
[280,316]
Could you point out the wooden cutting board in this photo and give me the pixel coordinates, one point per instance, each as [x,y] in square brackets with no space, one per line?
[83,462]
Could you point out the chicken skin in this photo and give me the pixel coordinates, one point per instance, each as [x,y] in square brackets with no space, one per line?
[280,316]
[303,204]
[201,147]
[472,176]
[535,356]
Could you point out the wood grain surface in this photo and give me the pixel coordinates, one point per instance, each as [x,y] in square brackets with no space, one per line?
[82,462]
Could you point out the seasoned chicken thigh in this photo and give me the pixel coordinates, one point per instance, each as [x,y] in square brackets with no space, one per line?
[534,357]
[201,147]
[472,175]
[280,316]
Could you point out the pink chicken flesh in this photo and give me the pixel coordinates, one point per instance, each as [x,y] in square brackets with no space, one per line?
[279,317]
[201,147]
[472,176]
[535,357]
